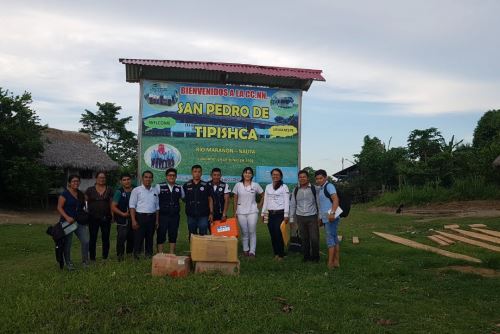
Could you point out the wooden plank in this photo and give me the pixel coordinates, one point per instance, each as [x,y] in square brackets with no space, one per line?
[452,226]
[449,241]
[478,225]
[417,245]
[470,241]
[479,236]
[340,238]
[486,231]
[437,240]
[355,240]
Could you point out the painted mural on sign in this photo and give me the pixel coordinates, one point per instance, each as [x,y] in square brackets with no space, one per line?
[225,126]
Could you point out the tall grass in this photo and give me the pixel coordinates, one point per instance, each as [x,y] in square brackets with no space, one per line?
[470,188]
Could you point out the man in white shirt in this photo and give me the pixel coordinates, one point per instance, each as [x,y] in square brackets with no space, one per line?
[144,212]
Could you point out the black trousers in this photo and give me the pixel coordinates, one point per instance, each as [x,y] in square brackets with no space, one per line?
[144,233]
[94,225]
[309,232]
[124,236]
[168,224]
[273,225]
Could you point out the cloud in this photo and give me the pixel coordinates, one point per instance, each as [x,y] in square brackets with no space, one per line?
[68,56]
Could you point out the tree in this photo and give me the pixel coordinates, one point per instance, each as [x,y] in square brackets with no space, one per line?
[451,146]
[487,130]
[393,160]
[371,163]
[108,131]
[22,179]
[423,144]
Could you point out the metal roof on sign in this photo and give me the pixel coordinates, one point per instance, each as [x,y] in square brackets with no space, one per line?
[220,73]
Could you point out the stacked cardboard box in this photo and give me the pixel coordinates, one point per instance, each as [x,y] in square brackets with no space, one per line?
[213,253]
[170,265]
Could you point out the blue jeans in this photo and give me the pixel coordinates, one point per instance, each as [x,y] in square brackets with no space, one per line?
[332,237]
[82,233]
[197,225]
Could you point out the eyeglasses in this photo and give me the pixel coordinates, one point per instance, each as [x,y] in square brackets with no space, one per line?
[171,175]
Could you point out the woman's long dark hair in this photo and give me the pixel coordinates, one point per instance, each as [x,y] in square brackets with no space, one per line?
[99,173]
[73,176]
[244,170]
[280,182]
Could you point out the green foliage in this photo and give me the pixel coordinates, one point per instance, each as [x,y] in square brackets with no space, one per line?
[431,168]
[470,188]
[487,131]
[379,167]
[423,144]
[22,179]
[110,134]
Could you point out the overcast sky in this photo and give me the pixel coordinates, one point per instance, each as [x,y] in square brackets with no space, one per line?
[390,66]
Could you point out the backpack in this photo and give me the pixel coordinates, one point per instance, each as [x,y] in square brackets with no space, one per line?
[295,244]
[313,189]
[344,200]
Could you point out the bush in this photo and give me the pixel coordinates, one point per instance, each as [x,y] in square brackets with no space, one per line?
[471,188]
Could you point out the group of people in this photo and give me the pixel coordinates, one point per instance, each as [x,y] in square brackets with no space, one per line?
[140,211]
[161,158]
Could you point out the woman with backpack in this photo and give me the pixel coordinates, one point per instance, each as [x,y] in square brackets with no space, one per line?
[70,203]
[276,206]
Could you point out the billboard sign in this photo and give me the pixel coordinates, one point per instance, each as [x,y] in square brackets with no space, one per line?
[225,126]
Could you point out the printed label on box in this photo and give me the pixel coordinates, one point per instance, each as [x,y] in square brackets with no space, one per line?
[224,228]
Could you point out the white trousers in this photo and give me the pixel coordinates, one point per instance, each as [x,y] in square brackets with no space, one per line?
[248,225]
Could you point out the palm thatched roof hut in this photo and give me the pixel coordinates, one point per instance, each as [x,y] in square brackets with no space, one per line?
[74,153]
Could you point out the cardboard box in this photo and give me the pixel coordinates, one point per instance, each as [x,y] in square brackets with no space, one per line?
[225,268]
[170,265]
[211,248]
[228,228]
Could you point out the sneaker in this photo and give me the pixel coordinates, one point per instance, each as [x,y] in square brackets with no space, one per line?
[70,267]
[246,253]
[252,256]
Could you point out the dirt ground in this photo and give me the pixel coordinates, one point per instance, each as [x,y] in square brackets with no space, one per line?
[427,212]
[485,272]
[448,210]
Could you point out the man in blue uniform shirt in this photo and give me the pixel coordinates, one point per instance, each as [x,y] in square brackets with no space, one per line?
[169,194]
[199,204]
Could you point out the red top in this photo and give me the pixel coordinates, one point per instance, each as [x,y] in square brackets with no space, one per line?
[298,73]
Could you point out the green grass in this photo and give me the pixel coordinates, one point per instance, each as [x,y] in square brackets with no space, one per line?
[278,151]
[377,280]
